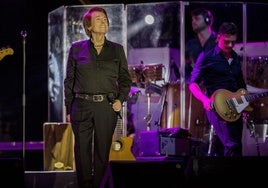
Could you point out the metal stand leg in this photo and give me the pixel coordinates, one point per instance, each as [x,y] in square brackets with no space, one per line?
[253,133]
[148,118]
[211,135]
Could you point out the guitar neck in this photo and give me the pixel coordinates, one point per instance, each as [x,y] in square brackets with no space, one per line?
[256,96]
[121,129]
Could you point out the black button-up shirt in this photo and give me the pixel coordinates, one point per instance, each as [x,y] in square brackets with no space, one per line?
[88,72]
[214,71]
[193,48]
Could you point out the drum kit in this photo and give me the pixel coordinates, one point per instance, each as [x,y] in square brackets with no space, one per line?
[148,77]
[151,79]
[143,76]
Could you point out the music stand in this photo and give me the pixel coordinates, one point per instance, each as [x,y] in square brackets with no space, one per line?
[24,35]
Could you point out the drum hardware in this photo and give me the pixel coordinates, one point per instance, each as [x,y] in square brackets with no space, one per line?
[151,88]
[199,124]
[148,117]
[211,135]
[254,134]
[133,95]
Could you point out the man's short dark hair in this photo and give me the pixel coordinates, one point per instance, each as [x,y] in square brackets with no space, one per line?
[228,28]
[207,15]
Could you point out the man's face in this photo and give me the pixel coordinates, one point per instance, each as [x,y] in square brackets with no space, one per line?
[226,42]
[198,23]
[99,23]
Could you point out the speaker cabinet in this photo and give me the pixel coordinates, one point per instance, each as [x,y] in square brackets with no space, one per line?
[133,174]
[58,146]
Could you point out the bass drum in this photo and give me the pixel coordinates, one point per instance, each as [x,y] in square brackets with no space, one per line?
[195,116]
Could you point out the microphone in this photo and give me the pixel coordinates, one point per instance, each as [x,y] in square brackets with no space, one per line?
[23,34]
[111,98]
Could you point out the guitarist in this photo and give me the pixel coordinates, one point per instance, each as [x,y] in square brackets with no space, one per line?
[220,68]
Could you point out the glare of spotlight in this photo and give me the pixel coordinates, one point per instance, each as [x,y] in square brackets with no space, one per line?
[149,19]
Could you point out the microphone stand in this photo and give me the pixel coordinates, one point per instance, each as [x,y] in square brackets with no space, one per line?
[148,117]
[23,34]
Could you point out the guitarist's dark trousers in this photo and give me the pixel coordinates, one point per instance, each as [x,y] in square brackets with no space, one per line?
[229,133]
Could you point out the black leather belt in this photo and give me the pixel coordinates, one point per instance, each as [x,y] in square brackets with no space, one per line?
[93,98]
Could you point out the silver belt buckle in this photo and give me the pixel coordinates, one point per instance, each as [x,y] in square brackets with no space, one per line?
[97,98]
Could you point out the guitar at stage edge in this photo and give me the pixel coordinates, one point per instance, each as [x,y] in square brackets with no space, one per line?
[121,144]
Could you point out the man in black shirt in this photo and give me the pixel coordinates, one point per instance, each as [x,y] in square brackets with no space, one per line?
[205,39]
[97,83]
[220,68]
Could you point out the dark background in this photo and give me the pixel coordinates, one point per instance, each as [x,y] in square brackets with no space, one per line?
[29,16]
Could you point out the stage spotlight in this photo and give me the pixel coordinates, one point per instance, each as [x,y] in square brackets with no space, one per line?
[149,19]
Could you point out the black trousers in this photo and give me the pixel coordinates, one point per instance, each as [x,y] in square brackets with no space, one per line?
[93,124]
[229,133]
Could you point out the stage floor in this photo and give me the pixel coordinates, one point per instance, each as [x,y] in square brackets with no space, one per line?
[188,172]
[50,179]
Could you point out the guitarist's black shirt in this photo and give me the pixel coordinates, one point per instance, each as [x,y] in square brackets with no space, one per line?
[214,71]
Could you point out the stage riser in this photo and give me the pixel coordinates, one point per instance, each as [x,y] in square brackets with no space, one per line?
[50,179]
[181,173]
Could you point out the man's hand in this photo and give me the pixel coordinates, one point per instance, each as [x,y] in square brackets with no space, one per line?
[117,105]
[207,104]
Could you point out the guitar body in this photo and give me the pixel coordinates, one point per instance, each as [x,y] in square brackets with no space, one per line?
[121,149]
[121,144]
[5,51]
[225,107]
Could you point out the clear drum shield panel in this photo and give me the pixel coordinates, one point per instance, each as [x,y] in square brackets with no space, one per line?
[64,27]
[252,47]
[153,38]
[221,12]
[74,25]
[256,73]
[153,43]
[55,64]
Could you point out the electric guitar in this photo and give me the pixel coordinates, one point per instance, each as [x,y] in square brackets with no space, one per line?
[121,144]
[5,51]
[229,105]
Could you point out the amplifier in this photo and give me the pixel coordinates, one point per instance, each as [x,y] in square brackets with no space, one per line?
[175,146]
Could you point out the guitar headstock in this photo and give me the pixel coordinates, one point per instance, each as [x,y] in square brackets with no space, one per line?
[5,51]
